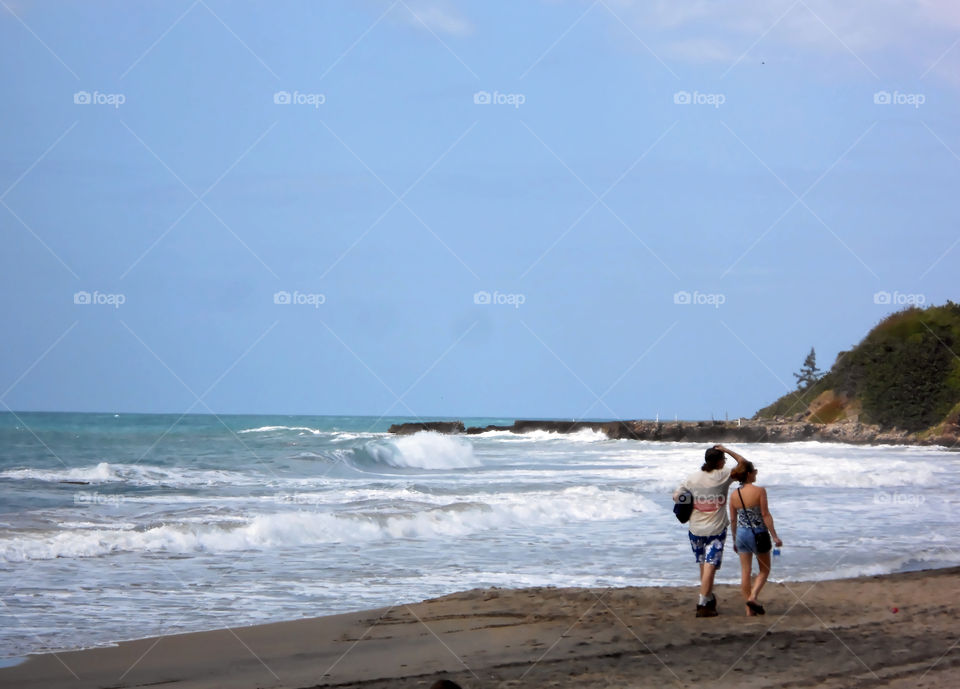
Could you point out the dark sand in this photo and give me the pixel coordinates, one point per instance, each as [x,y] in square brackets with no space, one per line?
[833,634]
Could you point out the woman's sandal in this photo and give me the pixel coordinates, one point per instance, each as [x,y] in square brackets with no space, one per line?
[756,607]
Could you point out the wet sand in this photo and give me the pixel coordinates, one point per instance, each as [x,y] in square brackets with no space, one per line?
[893,631]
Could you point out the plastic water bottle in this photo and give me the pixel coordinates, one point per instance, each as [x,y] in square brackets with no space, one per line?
[776,551]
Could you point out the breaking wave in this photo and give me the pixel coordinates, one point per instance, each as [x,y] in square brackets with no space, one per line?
[304,527]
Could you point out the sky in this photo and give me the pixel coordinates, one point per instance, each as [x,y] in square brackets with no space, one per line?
[546,208]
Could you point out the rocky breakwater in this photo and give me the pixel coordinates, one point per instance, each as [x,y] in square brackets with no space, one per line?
[449,427]
[742,430]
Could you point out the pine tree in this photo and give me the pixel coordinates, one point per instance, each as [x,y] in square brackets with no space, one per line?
[809,373]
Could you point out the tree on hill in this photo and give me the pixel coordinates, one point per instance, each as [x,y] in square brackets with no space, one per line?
[904,374]
[809,373]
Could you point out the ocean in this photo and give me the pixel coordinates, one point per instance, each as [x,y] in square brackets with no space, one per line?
[123,526]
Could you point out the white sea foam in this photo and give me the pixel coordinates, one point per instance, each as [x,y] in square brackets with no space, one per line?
[932,557]
[274,429]
[804,465]
[424,450]
[341,436]
[304,528]
[585,435]
[101,473]
[132,474]
[814,464]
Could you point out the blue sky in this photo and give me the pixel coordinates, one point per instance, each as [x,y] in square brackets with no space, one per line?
[666,204]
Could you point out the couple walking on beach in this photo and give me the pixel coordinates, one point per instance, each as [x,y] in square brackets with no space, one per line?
[705,491]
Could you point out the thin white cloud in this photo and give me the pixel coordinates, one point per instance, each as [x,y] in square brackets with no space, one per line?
[15,7]
[945,11]
[909,34]
[439,16]
[700,50]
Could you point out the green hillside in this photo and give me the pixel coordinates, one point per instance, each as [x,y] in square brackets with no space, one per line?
[904,374]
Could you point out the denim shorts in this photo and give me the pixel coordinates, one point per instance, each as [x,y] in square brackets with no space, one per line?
[746,542]
[709,549]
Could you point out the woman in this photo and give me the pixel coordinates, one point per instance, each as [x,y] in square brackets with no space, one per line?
[748,514]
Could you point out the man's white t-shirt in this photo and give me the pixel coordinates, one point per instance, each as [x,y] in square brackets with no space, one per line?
[709,490]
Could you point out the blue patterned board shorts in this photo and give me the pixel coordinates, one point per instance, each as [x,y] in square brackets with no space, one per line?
[709,549]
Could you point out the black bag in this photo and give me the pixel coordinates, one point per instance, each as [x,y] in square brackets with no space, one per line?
[683,507]
[761,538]
[764,544]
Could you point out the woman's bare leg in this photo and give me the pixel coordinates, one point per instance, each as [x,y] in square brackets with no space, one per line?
[763,561]
[746,566]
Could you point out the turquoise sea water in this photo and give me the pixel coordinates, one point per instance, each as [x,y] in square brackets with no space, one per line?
[124,526]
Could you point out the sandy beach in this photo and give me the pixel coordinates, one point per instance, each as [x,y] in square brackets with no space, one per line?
[893,631]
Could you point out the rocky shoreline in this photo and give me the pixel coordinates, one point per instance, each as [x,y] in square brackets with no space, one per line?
[741,430]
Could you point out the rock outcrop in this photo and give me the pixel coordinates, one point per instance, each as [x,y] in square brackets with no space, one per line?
[449,427]
[742,431]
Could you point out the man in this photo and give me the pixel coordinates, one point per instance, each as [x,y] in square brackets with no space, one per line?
[708,523]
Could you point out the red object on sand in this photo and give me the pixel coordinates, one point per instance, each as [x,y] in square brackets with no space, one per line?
[894,609]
